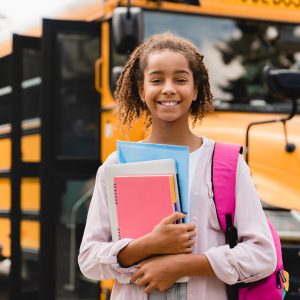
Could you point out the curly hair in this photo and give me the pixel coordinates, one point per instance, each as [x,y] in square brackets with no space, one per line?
[129,106]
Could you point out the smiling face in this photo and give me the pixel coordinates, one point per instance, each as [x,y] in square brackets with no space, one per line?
[168,88]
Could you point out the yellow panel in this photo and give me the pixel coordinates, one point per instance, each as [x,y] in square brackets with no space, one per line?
[30,194]
[277,187]
[31,148]
[110,132]
[276,172]
[5,236]
[5,154]
[280,5]
[250,9]
[30,234]
[106,288]
[5,194]
[106,96]
[108,284]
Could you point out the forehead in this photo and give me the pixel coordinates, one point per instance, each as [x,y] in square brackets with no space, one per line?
[167,60]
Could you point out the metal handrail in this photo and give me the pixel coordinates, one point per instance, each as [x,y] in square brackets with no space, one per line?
[71,285]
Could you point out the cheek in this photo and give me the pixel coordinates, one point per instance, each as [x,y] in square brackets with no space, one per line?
[149,92]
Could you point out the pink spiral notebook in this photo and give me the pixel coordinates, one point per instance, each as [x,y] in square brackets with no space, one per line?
[142,201]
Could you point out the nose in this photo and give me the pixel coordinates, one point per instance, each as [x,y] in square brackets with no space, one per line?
[168,88]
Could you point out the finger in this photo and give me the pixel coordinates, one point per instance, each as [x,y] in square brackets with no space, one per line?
[188,250]
[173,218]
[149,288]
[190,243]
[191,235]
[189,227]
[138,274]
[142,281]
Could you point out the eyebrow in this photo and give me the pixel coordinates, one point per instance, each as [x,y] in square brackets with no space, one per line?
[155,72]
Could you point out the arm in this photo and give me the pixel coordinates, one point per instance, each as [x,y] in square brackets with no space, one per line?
[98,254]
[162,272]
[99,257]
[254,257]
[165,238]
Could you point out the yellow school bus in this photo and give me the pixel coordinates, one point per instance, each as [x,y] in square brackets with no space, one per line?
[57,126]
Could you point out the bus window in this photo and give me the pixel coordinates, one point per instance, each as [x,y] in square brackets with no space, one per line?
[4,105]
[235,52]
[5,90]
[31,84]
[78,119]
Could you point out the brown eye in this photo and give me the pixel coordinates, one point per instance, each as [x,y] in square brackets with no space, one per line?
[155,81]
[181,80]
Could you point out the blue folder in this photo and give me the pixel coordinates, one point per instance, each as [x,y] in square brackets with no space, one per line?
[133,152]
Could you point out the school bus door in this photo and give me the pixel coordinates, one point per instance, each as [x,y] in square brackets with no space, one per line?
[70,153]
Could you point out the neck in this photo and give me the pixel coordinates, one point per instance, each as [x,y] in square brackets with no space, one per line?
[173,134]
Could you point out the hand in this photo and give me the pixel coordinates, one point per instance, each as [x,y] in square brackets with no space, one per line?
[170,238]
[165,238]
[159,272]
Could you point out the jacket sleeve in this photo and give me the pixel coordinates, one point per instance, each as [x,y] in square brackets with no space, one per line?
[254,257]
[98,254]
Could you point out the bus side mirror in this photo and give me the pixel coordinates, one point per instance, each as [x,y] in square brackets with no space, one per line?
[283,83]
[127,27]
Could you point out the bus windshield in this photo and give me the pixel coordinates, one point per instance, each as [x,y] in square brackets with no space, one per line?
[235,53]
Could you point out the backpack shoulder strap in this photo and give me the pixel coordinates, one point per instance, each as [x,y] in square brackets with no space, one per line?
[224,166]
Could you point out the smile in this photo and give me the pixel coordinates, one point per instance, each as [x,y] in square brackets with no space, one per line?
[168,103]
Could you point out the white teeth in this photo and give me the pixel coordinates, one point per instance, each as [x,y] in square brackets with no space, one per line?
[169,103]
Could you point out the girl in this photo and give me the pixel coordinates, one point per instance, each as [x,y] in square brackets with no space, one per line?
[165,78]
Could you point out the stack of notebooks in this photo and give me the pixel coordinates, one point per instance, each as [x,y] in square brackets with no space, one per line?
[140,195]
[149,184]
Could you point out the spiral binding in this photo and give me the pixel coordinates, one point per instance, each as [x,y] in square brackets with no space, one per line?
[116,202]
[116,195]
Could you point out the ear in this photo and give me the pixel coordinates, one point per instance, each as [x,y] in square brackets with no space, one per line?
[195,94]
[141,93]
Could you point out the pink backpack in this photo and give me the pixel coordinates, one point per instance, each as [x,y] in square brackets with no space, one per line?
[224,165]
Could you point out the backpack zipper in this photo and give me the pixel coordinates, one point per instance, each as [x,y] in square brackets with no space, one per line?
[280,278]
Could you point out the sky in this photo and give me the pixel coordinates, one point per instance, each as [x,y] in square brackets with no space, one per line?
[18,15]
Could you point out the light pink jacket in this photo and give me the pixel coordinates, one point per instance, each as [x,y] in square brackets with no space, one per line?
[251,260]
